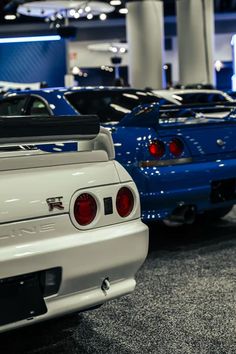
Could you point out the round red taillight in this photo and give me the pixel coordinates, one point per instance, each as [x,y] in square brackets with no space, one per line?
[124,202]
[157,148]
[85,209]
[176,147]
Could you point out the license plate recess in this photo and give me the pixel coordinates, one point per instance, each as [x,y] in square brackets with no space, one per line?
[20,298]
[223,190]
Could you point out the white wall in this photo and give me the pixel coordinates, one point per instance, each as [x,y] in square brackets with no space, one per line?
[171,57]
[79,54]
[88,58]
[223,49]
[223,52]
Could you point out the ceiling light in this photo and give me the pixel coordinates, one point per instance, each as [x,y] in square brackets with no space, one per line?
[72,12]
[76,15]
[115,2]
[90,16]
[75,70]
[123,11]
[218,65]
[59,16]
[122,50]
[103,17]
[66,8]
[10,17]
[30,39]
[87,9]
[113,49]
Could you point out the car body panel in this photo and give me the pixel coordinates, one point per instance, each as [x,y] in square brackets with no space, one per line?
[86,257]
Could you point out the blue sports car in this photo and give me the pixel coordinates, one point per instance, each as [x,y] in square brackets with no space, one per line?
[182,159]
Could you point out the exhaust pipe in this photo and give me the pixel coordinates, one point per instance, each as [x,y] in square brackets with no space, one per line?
[185,214]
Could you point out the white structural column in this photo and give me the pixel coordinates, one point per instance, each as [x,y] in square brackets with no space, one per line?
[145,28]
[195,24]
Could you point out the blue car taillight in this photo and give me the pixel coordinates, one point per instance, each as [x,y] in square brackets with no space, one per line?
[157,148]
[176,147]
[171,148]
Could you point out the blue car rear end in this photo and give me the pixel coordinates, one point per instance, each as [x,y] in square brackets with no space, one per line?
[182,166]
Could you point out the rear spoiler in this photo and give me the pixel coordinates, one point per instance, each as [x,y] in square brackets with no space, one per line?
[148,115]
[213,106]
[23,130]
[34,130]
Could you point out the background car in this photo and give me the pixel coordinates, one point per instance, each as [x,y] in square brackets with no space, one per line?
[232,94]
[182,161]
[193,96]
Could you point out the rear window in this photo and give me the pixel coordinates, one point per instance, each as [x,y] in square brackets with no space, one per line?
[110,106]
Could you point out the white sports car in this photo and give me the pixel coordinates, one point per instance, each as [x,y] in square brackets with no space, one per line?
[71,237]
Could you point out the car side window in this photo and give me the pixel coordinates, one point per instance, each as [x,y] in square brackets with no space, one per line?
[38,108]
[13,106]
[217,98]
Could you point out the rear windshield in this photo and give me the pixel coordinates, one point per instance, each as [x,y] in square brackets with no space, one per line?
[110,106]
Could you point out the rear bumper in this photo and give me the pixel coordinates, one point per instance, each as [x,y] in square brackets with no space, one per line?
[86,258]
[162,189]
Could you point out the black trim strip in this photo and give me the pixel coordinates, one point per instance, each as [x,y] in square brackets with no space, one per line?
[155,163]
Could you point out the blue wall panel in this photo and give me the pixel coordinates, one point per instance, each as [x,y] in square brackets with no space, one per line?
[33,62]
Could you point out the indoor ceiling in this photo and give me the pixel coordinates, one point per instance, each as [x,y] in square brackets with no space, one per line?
[169,9]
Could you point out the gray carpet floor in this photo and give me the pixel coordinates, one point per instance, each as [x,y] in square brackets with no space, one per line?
[184,303]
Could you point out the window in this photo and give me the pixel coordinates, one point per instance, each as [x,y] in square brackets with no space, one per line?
[188,98]
[13,106]
[38,108]
[110,105]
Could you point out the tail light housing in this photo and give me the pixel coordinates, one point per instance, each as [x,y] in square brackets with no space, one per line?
[85,209]
[124,202]
[176,147]
[157,148]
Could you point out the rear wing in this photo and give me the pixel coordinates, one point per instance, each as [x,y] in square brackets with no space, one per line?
[151,115]
[199,107]
[15,131]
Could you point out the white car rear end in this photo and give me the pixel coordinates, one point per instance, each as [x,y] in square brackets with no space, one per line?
[71,237]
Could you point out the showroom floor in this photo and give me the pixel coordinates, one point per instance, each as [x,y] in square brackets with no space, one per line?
[184,303]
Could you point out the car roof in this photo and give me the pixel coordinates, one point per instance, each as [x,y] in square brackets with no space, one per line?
[170,94]
[78,89]
[189,91]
